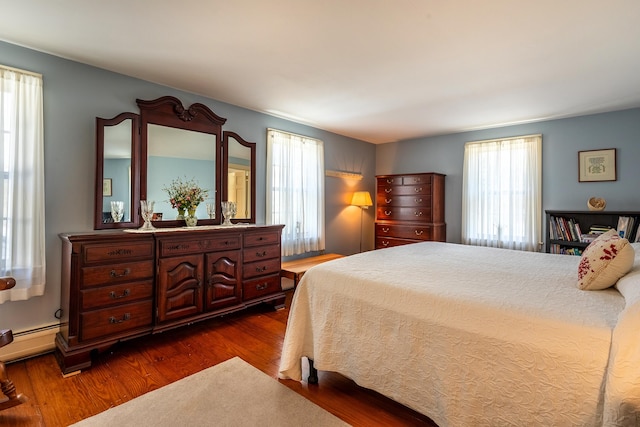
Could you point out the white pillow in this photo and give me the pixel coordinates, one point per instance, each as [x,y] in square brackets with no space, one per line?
[604,261]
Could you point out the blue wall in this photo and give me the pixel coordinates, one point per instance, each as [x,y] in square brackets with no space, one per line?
[561,141]
[75,94]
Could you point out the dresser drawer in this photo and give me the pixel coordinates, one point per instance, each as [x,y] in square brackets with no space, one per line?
[260,287]
[261,268]
[418,200]
[262,238]
[116,273]
[110,252]
[209,244]
[418,232]
[109,321]
[115,294]
[422,214]
[261,252]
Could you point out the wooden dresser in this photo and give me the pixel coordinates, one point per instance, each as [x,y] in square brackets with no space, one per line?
[409,209]
[118,285]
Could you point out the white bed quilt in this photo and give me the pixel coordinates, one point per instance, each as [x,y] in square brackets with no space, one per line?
[470,336]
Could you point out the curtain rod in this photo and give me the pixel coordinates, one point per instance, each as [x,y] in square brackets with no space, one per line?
[18,70]
[502,139]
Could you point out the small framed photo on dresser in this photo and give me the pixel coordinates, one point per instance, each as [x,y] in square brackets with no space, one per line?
[597,165]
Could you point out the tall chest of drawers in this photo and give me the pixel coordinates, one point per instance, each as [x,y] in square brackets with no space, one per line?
[119,285]
[409,209]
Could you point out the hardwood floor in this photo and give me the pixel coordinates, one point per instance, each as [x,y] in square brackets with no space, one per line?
[133,368]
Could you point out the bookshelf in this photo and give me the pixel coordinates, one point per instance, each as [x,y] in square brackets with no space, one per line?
[563,237]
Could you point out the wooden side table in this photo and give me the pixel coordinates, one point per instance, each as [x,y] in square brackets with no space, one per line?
[295,269]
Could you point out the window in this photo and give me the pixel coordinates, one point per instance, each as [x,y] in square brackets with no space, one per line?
[502,193]
[22,253]
[295,190]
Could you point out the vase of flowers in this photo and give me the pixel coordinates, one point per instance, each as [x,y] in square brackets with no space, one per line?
[185,196]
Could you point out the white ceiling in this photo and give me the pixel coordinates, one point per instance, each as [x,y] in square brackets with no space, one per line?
[375,70]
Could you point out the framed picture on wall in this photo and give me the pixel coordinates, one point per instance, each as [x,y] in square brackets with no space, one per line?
[597,165]
[106,187]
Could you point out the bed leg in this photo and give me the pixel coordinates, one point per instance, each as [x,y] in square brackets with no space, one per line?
[313,373]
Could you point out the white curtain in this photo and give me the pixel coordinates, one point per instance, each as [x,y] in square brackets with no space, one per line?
[502,193]
[295,190]
[22,193]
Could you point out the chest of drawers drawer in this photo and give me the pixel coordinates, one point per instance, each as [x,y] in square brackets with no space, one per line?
[113,320]
[422,214]
[115,273]
[404,190]
[386,242]
[419,200]
[418,232]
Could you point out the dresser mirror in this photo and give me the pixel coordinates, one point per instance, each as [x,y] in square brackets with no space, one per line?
[240,178]
[139,156]
[117,186]
[178,153]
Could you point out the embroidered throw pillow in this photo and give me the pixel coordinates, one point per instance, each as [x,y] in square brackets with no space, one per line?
[604,261]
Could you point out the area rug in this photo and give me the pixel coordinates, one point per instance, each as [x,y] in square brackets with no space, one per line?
[232,393]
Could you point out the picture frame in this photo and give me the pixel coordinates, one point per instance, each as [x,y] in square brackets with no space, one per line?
[597,165]
[106,187]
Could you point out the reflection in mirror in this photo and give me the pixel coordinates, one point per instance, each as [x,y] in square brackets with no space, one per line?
[116,183]
[239,178]
[239,174]
[178,153]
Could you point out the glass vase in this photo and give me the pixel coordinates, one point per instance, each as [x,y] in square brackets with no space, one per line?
[228,212]
[146,210]
[191,220]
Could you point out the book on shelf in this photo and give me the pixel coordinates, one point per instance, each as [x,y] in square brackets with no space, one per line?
[628,227]
[561,228]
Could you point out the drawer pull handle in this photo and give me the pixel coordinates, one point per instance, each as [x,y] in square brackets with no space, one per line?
[113,295]
[387,212]
[388,190]
[418,190]
[261,286]
[261,254]
[126,317]
[385,243]
[385,229]
[125,272]
[418,200]
[389,180]
[419,213]
[419,232]
[416,180]
[261,269]
[388,200]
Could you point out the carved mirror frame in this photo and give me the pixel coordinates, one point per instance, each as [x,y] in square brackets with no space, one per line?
[251,146]
[102,145]
[168,111]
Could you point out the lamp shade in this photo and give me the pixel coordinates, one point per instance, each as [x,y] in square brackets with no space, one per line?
[362,199]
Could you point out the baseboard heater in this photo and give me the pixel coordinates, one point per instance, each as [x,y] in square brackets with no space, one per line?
[30,343]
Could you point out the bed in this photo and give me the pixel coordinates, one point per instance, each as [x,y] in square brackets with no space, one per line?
[472,335]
